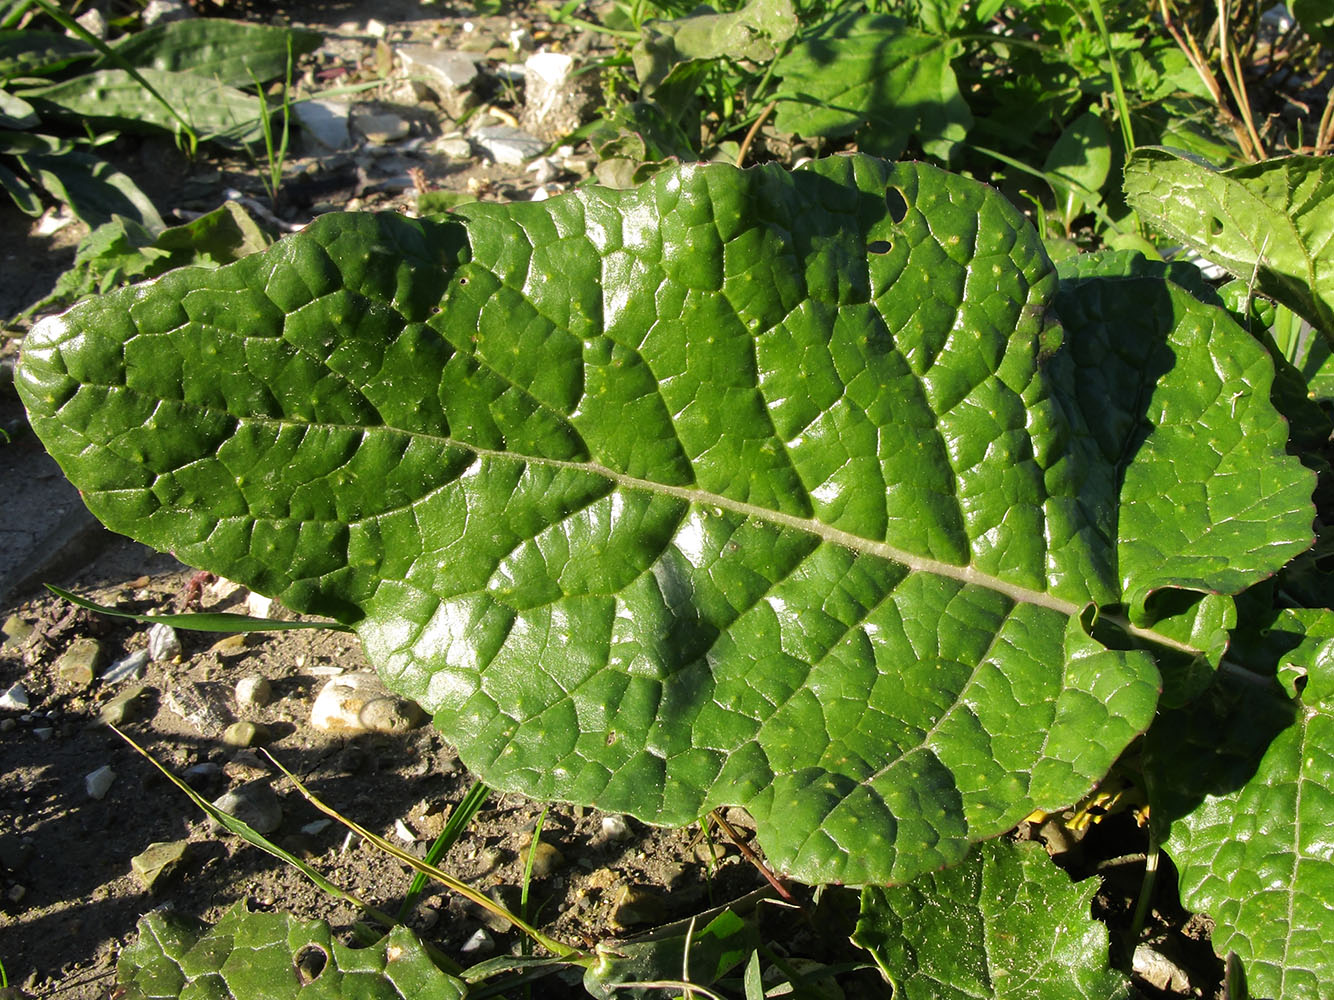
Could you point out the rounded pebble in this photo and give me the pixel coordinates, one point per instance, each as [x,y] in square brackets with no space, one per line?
[255,805]
[15,699]
[246,734]
[359,703]
[253,692]
[546,858]
[615,827]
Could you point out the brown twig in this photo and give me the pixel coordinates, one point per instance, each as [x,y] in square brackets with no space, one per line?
[750,135]
[752,857]
[1324,135]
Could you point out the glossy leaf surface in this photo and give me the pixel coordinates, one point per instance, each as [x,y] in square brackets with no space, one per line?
[1005,923]
[274,956]
[1269,222]
[1242,785]
[742,487]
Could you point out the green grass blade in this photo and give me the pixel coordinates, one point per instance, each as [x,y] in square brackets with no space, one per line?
[202,621]
[459,821]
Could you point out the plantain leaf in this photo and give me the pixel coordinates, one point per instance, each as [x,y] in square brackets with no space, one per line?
[274,956]
[741,487]
[1240,785]
[1005,923]
[234,53]
[1267,223]
[111,98]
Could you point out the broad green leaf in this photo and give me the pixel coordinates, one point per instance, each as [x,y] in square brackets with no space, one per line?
[706,953]
[111,98]
[39,53]
[1007,923]
[15,113]
[235,53]
[94,189]
[873,71]
[20,191]
[753,33]
[1267,223]
[1317,19]
[1179,396]
[741,487]
[273,956]
[1241,785]
[1078,165]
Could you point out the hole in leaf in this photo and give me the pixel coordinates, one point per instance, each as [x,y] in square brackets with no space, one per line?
[309,963]
[1215,226]
[880,246]
[463,281]
[897,204]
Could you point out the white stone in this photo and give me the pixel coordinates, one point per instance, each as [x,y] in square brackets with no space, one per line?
[99,782]
[326,123]
[481,941]
[253,692]
[127,667]
[615,827]
[15,699]
[376,29]
[358,703]
[508,145]
[164,645]
[403,833]
[159,11]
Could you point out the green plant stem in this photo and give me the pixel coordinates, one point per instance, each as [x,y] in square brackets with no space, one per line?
[1122,105]
[1145,889]
[69,24]
[459,820]
[444,878]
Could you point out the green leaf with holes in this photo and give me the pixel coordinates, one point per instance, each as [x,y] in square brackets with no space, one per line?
[741,487]
[1241,785]
[273,956]
[1267,223]
[1007,923]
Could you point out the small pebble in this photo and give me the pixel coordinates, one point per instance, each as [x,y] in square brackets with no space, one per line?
[80,663]
[258,605]
[358,703]
[99,782]
[157,860]
[246,734]
[43,733]
[164,645]
[615,827]
[316,827]
[127,706]
[201,773]
[255,805]
[129,667]
[546,858]
[403,833]
[15,699]
[7,724]
[253,692]
[480,941]
[233,645]
[635,905]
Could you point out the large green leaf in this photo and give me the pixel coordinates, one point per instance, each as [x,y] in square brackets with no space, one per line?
[94,190]
[752,33]
[235,53]
[739,487]
[1007,923]
[1269,222]
[111,98]
[873,71]
[39,53]
[274,956]
[1241,784]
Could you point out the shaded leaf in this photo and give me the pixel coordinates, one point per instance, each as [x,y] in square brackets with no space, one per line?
[1079,163]
[39,53]
[1268,222]
[1240,785]
[15,113]
[1005,923]
[234,53]
[742,487]
[92,188]
[873,71]
[273,956]
[752,33]
[111,98]
[706,953]
[20,191]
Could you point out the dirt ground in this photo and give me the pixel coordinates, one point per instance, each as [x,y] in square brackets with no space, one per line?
[69,900]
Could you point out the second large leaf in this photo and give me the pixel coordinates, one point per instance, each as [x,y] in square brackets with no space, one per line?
[741,487]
